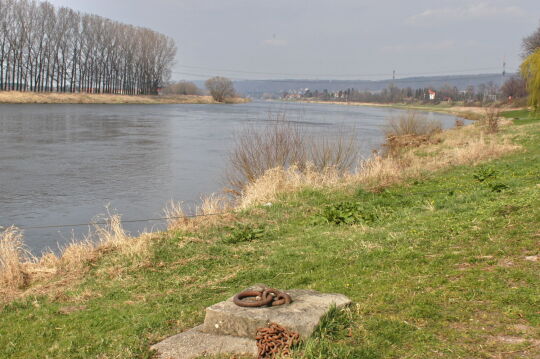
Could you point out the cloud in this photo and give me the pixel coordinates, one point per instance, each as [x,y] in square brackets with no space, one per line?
[481,10]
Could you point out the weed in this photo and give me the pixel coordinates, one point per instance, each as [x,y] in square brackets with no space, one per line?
[484,173]
[346,213]
[498,187]
[242,233]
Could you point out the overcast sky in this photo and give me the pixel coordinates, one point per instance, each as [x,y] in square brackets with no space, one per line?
[322,39]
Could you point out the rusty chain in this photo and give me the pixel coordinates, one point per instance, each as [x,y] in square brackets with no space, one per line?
[262,298]
[275,341]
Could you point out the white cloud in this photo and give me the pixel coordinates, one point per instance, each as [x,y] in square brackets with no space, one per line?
[473,11]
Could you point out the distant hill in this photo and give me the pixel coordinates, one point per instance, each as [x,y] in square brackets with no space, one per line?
[256,88]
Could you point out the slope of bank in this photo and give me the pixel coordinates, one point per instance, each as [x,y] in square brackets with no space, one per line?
[15,97]
[439,250]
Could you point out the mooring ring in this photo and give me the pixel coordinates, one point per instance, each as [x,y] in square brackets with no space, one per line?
[264,301]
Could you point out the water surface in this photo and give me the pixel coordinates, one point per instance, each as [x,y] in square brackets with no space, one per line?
[63,164]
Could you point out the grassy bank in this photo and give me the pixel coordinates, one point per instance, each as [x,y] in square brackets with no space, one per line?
[15,97]
[439,249]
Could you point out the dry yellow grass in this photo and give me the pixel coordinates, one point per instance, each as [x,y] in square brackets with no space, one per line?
[12,258]
[212,210]
[18,269]
[16,97]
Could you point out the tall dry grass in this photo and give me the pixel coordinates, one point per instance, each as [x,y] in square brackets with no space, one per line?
[13,255]
[286,144]
[18,269]
[212,210]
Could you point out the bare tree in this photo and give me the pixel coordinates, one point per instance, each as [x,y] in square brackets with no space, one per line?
[220,88]
[531,43]
[514,87]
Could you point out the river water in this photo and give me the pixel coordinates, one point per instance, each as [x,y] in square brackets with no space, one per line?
[64,164]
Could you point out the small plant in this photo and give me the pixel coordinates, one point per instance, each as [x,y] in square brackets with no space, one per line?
[460,123]
[485,173]
[244,233]
[498,187]
[346,213]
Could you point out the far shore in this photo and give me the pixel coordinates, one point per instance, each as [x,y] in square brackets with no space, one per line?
[469,112]
[16,97]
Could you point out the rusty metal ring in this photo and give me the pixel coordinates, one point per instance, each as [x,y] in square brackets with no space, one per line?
[278,297]
[264,301]
[282,299]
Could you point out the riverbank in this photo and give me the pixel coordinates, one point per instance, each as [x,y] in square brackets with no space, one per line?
[440,254]
[469,112]
[16,97]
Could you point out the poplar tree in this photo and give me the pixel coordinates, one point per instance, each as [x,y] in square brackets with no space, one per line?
[49,49]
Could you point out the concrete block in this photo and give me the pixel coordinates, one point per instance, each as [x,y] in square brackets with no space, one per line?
[194,344]
[301,316]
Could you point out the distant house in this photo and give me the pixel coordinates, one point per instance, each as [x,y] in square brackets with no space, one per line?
[432,94]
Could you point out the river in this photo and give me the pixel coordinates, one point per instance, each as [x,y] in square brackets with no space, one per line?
[64,164]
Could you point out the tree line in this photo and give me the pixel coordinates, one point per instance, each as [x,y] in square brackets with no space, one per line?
[49,49]
[513,88]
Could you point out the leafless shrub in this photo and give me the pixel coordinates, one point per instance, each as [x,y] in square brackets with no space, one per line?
[339,151]
[408,130]
[182,88]
[490,120]
[412,123]
[459,123]
[282,144]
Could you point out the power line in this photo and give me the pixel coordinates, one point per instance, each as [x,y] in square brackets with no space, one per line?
[123,221]
[449,190]
[358,75]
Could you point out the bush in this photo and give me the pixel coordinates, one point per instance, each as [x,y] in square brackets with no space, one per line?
[182,88]
[412,123]
[491,120]
[282,144]
[220,88]
[409,130]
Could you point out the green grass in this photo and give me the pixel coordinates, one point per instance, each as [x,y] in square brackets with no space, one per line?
[440,269]
[522,117]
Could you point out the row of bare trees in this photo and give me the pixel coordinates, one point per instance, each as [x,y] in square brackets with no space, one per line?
[49,49]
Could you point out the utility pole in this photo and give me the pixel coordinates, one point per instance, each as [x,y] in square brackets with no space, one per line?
[393,76]
[504,67]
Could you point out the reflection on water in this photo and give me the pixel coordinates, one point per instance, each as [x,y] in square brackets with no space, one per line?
[64,163]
